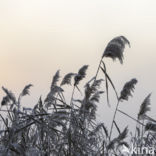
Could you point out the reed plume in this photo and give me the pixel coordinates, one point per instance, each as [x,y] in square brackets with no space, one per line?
[67,79]
[115,48]
[26,90]
[80,75]
[145,107]
[128,89]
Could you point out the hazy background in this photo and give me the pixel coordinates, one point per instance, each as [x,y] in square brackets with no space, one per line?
[37,37]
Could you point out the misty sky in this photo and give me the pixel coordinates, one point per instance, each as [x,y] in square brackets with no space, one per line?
[37,37]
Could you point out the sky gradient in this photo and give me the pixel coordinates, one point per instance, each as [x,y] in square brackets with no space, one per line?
[37,37]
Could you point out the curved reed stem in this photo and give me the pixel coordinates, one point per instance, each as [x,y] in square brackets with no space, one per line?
[137,121]
[71,101]
[71,104]
[98,69]
[113,119]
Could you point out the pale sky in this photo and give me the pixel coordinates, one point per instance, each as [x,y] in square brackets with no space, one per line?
[37,37]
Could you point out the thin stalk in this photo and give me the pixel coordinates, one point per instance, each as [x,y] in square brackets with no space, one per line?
[136,129]
[56,98]
[98,69]
[71,101]
[113,120]
[18,102]
[117,127]
[142,133]
[4,122]
[71,104]
[131,117]
[9,115]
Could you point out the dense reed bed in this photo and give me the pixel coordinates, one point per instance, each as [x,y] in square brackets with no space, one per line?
[55,127]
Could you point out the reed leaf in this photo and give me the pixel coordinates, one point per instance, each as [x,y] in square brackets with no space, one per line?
[117,127]
[110,81]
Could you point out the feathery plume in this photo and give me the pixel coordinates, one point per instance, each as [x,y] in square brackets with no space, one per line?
[99,127]
[51,95]
[119,139]
[10,95]
[96,84]
[123,135]
[55,79]
[150,127]
[81,74]
[26,90]
[5,101]
[89,90]
[67,79]
[115,48]
[145,107]
[96,96]
[128,89]
[83,70]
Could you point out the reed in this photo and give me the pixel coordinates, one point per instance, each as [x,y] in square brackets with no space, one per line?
[54,127]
